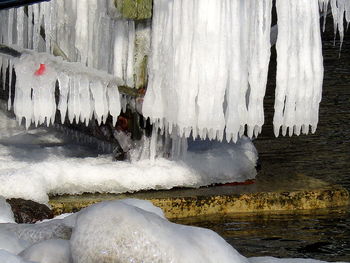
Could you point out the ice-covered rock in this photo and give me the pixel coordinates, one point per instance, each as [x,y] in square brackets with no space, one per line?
[118,232]
[33,233]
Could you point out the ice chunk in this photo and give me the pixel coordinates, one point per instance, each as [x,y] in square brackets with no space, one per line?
[129,233]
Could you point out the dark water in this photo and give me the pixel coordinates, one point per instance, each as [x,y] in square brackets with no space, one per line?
[323,234]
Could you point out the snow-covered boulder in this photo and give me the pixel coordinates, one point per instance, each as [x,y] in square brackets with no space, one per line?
[115,231]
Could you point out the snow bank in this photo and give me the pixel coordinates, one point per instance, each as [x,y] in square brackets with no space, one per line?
[30,168]
[123,231]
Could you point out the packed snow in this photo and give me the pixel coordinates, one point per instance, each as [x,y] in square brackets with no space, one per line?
[38,162]
[123,231]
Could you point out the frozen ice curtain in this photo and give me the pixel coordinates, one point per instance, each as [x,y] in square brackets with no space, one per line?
[209,64]
[208,67]
[299,66]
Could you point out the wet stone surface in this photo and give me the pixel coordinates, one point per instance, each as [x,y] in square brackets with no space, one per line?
[27,211]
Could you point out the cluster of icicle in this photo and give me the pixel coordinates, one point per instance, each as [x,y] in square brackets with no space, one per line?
[203,50]
[83,92]
[89,32]
[209,65]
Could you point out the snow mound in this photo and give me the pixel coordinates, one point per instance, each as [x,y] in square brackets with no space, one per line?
[117,232]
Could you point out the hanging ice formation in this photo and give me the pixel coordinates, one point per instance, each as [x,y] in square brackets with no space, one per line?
[208,66]
[210,59]
[83,92]
[299,67]
[203,50]
[89,32]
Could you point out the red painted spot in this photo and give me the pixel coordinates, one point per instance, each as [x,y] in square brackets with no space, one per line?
[41,70]
[122,124]
[238,183]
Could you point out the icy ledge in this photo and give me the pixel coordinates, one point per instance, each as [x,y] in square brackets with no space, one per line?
[83,92]
[29,170]
[128,230]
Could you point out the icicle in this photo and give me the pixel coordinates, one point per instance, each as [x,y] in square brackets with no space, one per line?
[20,17]
[9,102]
[5,63]
[81,30]
[153,143]
[113,102]
[299,66]
[30,26]
[10,27]
[199,57]
[84,98]
[259,57]
[63,83]
[46,6]
[36,27]
[131,58]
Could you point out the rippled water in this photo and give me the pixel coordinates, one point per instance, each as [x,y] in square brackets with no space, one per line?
[323,234]
[320,234]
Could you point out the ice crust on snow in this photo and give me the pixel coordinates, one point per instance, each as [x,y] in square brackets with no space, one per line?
[30,170]
[127,230]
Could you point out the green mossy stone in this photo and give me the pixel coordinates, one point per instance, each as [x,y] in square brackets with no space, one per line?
[134,9]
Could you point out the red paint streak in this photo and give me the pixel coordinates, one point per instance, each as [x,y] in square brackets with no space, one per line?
[238,183]
[41,70]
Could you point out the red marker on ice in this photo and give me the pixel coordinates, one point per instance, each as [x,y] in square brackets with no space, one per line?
[41,70]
